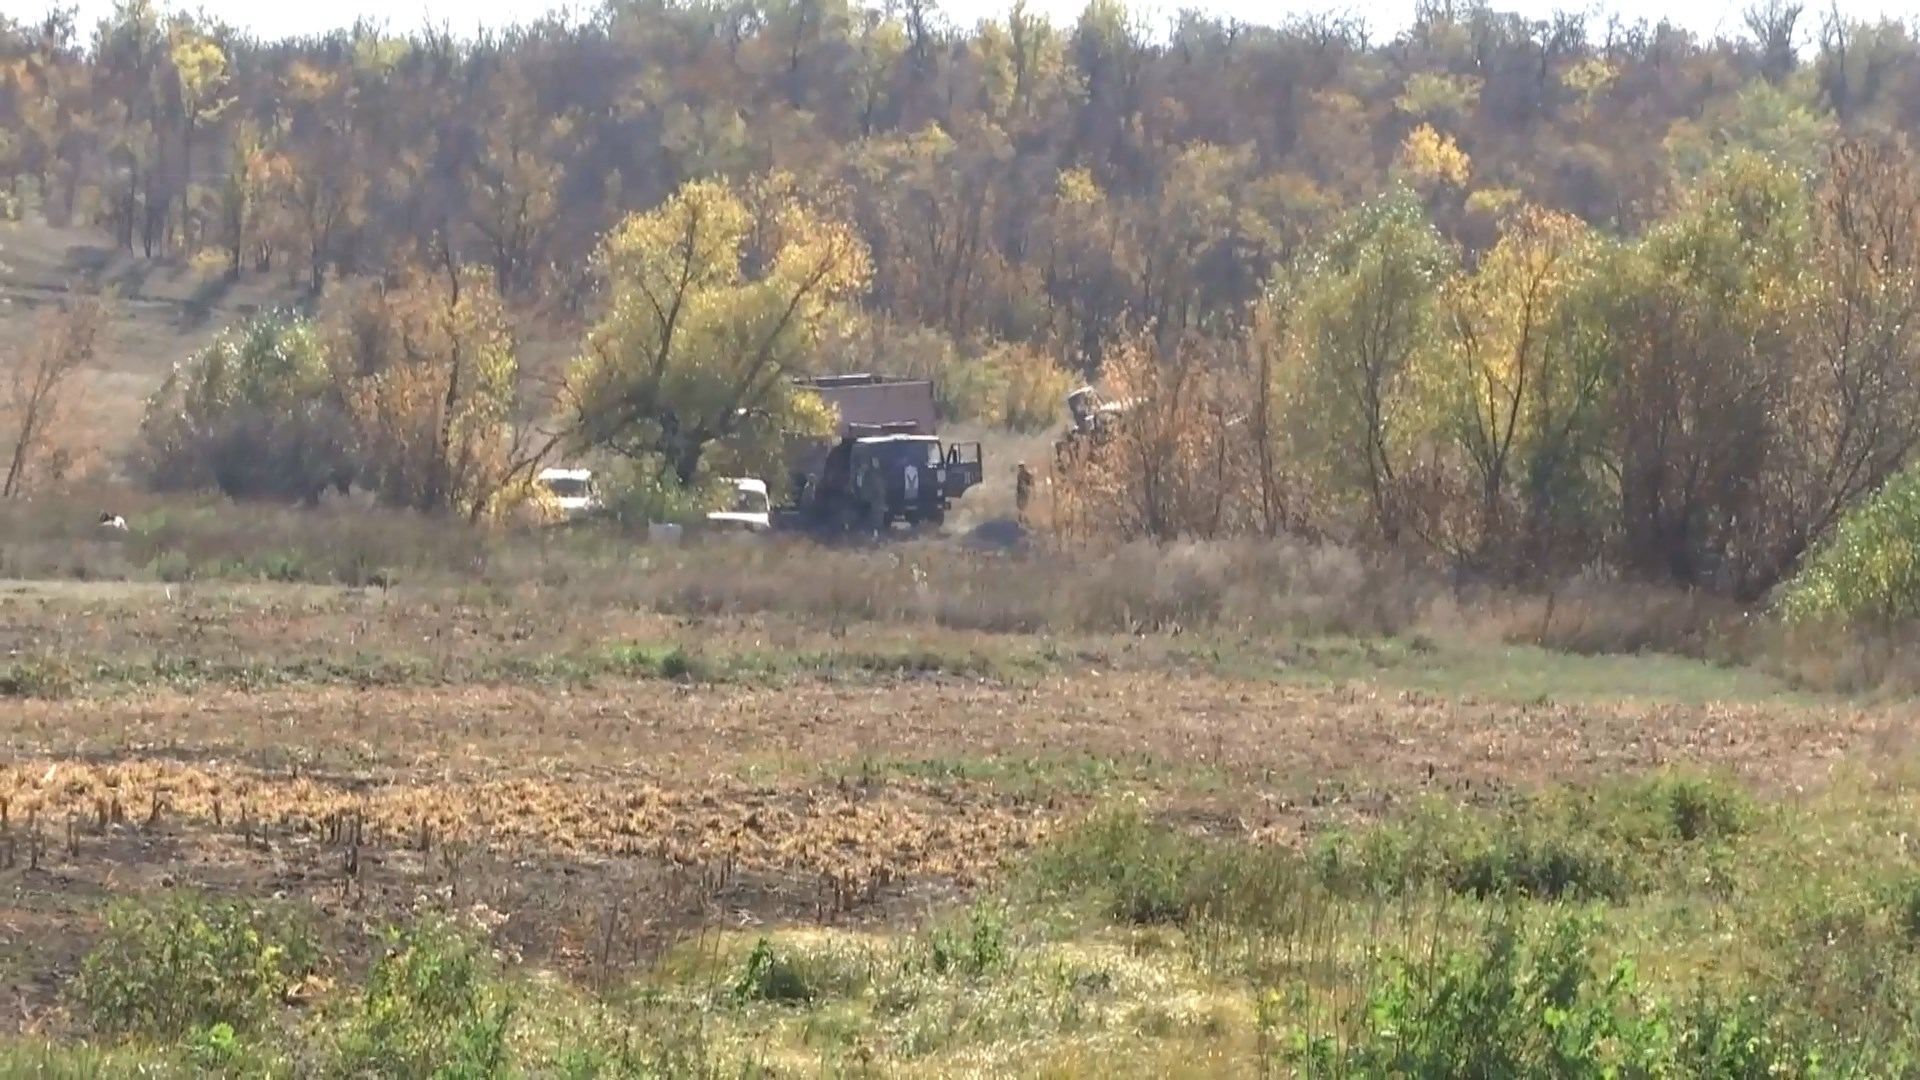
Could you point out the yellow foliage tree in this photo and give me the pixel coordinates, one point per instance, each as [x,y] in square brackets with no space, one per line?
[715,300]
[1509,384]
[1431,157]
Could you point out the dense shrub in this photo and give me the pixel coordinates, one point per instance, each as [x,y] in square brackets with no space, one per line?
[1870,568]
[431,1008]
[1143,872]
[164,969]
[1524,1001]
[256,415]
[1606,845]
[1509,1005]
[792,973]
[976,947]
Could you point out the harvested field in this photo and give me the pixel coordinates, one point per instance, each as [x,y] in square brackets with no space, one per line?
[594,787]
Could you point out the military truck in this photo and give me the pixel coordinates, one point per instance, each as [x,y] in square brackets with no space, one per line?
[885,463]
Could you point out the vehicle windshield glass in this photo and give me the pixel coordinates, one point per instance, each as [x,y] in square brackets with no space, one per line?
[918,453]
[749,502]
[567,488]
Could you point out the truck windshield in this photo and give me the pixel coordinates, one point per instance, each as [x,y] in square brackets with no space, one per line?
[749,502]
[568,488]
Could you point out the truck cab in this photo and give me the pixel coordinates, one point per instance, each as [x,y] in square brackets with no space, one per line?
[881,479]
[883,464]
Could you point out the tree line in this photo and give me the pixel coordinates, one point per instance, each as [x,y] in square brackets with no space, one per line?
[1528,293]
[1014,180]
[1702,403]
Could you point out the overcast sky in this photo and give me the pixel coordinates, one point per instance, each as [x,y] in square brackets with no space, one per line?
[280,18]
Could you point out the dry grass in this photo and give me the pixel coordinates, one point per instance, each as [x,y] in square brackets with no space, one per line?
[868,838]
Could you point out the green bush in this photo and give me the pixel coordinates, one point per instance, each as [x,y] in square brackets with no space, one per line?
[1603,845]
[979,947]
[1700,809]
[1870,568]
[431,1008]
[1146,873]
[640,493]
[1508,1005]
[255,414]
[1741,1040]
[1543,863]
[768,977]
[1139,870]
[791,974]
[164,969]
[1524,852]
[214,1049]
[1904,903]
[43,677]
[1534,1002]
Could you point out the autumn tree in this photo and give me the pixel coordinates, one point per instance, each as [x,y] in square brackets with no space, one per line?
[1364,310]
[1517,388]
[243,184]
[131,49]
[429,373]
[41,387]
[1851,414]
[200,80]
[1178,460]
[1700,320]
[517,172]
[320,190]
[715,300]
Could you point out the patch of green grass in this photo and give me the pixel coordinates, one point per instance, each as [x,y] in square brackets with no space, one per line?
[1507,673]
[49,1060]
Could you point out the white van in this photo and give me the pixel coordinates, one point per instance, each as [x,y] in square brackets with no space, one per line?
[572,491]
[748,509]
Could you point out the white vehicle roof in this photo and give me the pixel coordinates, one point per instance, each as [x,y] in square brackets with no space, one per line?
[582,475]
[748,483]
[882,440]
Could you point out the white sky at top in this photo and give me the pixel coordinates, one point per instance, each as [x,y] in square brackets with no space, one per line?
[282,18]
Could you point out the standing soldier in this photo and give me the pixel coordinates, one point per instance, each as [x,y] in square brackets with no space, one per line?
[873,485]
[1022,489]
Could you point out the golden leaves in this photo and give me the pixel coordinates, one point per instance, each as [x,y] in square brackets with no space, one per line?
[1429,156]
[715,297]
[428,369]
